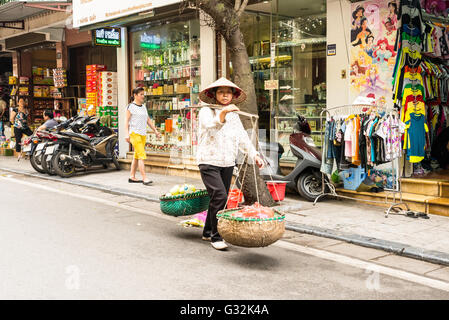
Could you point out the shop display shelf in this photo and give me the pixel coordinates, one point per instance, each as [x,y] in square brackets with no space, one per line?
[165,95]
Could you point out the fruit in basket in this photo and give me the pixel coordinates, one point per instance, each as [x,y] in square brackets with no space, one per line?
[181,189]
[254,211]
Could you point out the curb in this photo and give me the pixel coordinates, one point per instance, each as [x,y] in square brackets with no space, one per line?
[370,242]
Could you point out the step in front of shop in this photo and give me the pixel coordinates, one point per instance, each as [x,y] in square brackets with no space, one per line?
[416,202]
[421,186]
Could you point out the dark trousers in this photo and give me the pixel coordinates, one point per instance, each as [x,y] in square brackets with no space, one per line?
[18,133]
[217,181]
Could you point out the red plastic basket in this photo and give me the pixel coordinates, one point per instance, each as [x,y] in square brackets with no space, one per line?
[277,189]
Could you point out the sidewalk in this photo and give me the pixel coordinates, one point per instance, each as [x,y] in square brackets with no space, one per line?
[346,220]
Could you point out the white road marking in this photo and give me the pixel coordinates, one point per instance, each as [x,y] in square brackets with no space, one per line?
[401,274]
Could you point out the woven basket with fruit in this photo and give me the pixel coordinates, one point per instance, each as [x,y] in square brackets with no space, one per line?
[184,200]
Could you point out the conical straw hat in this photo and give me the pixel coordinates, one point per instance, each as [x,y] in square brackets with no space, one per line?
[208,95]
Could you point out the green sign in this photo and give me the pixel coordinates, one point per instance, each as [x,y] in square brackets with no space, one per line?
[152,46]
[107,37]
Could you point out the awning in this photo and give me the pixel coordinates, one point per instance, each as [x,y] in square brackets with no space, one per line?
[19,10]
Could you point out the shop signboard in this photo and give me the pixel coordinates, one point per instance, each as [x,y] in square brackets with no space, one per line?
[107,37]
[88,12]
[151,42]
[271,84]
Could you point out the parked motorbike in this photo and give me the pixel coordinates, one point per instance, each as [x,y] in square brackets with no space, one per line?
[73,151]
[30,148]
[305,177]
[77,124]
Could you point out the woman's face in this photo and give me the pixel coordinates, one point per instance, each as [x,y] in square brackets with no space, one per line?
[224,95]
[383,46]
[139,98]
[389,26]
[365,24]
[359,13]
[391,8]
[21,103]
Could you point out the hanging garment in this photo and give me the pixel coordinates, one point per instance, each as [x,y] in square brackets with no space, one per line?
[415,137]
[355,141]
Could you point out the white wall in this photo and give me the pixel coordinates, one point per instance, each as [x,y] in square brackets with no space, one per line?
[123,91]
[338,26]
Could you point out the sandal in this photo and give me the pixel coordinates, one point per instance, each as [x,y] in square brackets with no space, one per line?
[411,214]
[422,215]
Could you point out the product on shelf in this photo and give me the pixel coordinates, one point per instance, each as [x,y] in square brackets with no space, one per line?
[12,80]
[60,77]
[92,87]
[24,80]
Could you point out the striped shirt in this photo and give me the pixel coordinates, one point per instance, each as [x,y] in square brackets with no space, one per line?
[138,120]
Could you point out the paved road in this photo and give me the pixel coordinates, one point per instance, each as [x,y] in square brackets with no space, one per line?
[64,242]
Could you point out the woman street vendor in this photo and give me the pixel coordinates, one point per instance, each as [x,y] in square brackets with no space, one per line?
[220,136]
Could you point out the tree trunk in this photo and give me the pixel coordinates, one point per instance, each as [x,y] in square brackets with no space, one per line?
[243,77]
[226,22]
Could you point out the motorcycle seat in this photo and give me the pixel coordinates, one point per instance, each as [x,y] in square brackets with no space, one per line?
[96,140]
[76,135]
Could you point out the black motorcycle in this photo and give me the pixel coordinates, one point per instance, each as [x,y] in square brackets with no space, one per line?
[78,124]
[74,151]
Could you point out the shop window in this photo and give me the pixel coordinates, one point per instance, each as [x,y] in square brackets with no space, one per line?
[286,42]
[167,64]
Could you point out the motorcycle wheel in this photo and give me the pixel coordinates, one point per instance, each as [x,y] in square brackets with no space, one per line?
[115,160]
[309,186]
[36,162]
[47,166]
[64,169]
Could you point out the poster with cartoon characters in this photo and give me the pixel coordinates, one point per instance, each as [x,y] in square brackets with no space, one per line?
[373,36]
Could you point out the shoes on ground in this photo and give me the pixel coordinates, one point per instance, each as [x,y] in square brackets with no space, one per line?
[219,245]
[134,181]
[148,183]
[206,238]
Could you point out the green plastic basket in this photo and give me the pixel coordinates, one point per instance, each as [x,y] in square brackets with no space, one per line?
[185,204]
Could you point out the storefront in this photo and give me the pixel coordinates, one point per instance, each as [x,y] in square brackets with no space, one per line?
[286,43]
[34,81]
[382,57]
[173,56]
[160,51]
[166,63]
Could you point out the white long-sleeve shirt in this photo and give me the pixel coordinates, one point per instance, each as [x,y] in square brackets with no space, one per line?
[219,143]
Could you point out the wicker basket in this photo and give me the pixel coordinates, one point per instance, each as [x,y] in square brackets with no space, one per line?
[185,204]
[250,232]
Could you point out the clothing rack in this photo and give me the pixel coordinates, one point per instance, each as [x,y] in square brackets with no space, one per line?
[394,205]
